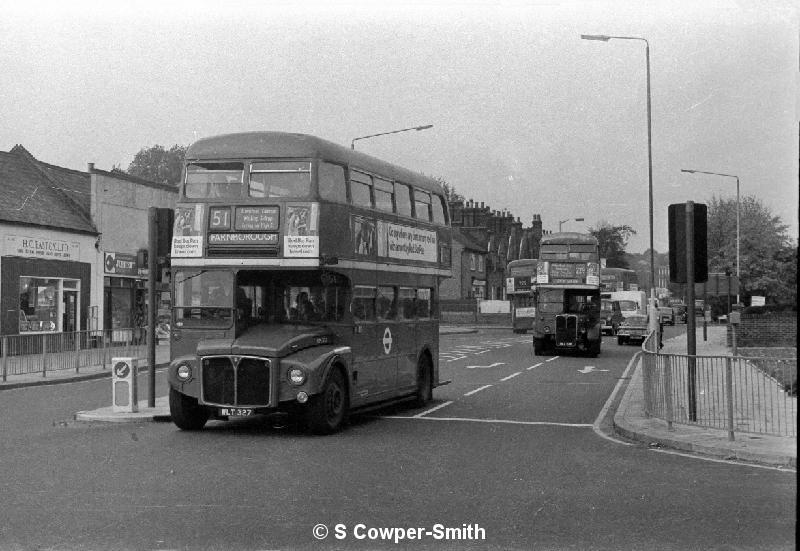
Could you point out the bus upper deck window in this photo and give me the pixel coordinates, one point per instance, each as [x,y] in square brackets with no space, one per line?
[280,179]
[360,189]
[422,205]
[384,194]
[402,194]
[439,210]
[214,180]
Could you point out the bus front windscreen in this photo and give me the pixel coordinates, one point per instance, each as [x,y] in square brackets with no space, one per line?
[203,298]
[628,306]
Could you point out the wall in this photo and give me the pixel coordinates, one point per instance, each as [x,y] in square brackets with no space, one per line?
[766,330]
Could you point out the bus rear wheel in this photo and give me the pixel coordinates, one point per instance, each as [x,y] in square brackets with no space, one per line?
[185,412]
[327,410]
[424,393]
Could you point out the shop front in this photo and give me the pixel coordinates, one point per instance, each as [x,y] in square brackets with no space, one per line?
[44,296]
[125,294]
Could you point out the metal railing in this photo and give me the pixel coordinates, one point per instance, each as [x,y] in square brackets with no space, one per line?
[733,393]
[43,353]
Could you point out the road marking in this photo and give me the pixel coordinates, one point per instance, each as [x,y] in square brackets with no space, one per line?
[440,406]
[610,401]
[535,366]
[589,369]
[501,421]
[551,359]
[471,392]
[485,366]
[511,376]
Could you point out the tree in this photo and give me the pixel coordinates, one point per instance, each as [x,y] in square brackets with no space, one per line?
[450,193]
[612,241]
[768,260]
[158,164]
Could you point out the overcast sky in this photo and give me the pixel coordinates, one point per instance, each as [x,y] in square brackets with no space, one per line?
[526,116]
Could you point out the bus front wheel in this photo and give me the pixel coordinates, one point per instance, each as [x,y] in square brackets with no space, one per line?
[327,410]
[185,412]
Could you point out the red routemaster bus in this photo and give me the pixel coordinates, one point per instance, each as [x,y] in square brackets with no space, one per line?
[305,279]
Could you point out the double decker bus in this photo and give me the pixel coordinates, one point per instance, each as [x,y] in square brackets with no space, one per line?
[568,295]
[618,279]
[520,290]
[304,280]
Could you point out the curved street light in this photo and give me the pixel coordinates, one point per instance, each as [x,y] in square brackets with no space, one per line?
[560,222]
[606,38]
[738,255]
[417,128]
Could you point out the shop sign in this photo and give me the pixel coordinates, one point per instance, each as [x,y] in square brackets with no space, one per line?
[123,264]
[34,247]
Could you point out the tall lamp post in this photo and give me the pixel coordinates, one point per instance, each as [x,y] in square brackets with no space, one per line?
[561,222]
[738,255]
[417,128]
[605,38]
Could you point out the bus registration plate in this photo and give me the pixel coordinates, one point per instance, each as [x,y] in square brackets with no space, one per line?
[236,412]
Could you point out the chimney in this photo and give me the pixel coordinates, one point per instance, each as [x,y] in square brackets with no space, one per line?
[90,167]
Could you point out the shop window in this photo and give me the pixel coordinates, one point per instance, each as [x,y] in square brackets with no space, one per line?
[48,304]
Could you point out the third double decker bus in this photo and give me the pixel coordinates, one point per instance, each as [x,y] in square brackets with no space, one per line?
[305,278]
[521,291]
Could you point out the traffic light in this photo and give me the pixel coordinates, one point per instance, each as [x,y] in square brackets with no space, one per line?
[677,243]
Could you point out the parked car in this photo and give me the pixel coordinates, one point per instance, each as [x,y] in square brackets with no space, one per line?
[632,329]
[610,316]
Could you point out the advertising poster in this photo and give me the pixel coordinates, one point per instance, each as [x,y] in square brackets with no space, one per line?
[406,243]
[301,231]
[187,234]
[363,232]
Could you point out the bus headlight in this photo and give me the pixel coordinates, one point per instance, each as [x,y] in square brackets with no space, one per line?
[184,372]
[297,376]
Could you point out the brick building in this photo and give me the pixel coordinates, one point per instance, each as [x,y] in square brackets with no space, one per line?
[499,236]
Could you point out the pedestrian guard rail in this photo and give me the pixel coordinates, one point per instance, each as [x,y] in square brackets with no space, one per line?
[732,393]
[47,352]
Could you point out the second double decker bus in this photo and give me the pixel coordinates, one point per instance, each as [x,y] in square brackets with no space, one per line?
[305,279]
[568,295]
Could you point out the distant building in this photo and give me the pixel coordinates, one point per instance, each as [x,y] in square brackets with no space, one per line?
[70,255]
[500,237]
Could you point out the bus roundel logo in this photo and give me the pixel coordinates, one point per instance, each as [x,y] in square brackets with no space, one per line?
[387,341]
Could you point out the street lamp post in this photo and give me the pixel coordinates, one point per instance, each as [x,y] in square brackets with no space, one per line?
[653,323]
[417,128]
[561,222]
[738,241]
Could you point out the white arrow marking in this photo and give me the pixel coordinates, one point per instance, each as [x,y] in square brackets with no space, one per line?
[485,366]
[589,369]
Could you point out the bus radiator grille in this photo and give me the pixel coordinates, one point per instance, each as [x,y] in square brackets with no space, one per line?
[566,330]
[243,385]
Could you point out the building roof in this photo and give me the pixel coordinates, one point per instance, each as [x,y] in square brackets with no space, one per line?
[38,194]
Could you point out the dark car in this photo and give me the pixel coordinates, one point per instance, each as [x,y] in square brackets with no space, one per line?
[610,316]
[633,329]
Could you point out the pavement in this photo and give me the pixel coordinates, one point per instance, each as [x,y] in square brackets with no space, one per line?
[629,420]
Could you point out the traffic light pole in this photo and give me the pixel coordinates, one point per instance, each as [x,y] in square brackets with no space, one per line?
[152,265]
[691,321]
